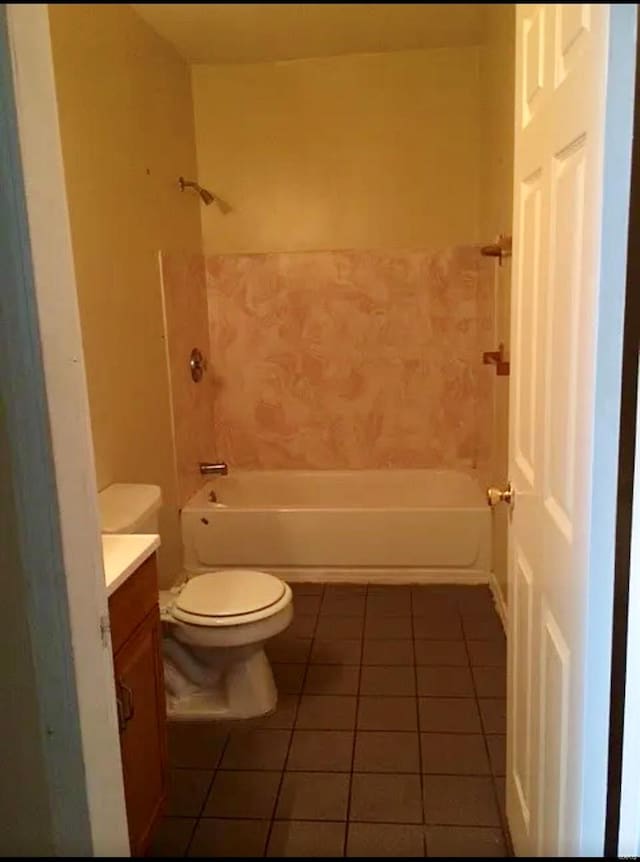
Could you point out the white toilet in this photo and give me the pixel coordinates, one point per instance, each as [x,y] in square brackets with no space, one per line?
[214,624]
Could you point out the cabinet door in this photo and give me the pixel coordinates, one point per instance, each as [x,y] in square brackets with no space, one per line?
[140,690]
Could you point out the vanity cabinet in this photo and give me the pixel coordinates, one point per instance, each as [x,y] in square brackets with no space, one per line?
[135,637]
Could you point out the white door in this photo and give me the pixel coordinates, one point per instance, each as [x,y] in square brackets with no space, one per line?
[565,364]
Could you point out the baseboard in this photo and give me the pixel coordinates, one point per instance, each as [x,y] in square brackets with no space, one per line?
[370,575]
[499,602]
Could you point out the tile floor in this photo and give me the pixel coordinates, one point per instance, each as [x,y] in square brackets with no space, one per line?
[388,739]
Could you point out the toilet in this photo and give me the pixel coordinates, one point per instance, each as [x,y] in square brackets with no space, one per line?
[215,624]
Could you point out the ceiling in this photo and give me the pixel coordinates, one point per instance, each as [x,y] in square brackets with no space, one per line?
[251,33]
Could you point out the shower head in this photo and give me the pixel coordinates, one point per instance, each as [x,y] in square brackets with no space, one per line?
[205,195]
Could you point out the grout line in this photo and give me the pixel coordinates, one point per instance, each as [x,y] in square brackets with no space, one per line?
[503,825]
[355,725]
[292,729]
[420,764]
[208,793]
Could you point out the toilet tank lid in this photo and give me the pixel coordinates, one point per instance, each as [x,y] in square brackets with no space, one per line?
[124,507]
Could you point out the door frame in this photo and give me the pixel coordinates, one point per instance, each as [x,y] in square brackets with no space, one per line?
[622,831]
[57,566]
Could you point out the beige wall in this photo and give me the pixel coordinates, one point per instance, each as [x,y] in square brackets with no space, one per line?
[127,133]
[360,151]
[496,200]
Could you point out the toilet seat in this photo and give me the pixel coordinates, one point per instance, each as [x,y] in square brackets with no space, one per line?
[230,597]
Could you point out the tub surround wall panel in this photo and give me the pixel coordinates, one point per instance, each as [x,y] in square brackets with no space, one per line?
[192,407]
[351,359]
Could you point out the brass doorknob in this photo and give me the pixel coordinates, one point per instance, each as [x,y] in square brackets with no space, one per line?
[496,495]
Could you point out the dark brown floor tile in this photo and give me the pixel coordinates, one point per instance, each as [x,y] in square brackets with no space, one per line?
[383,628]
[195,744]
[487,653]
[332,679]
[386,751]
[391,604]
[306,604]
[321,751]
[303,839]
[445,653]
[229,838]
[172,837]
[340,628]
[392,681]
[501,790]
[445,682]
[454,754]
[387,713]
[256,749]
[497,744]
[343,605]
[284,715]
[288,677]
[386,798]
[443,625]
[302,625]
[288,649]
[388,652]
[449,715]
[188,790]
[394,841]
[460,800]
[465,841]
[326,712]
[303,588]
[313,796]
[328,651]
[430,599]
[243,794]
[475,599]
[483,626]
[494,714]
[490,681]
[345,589]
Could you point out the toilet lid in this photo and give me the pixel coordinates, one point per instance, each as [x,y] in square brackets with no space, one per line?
[229,593]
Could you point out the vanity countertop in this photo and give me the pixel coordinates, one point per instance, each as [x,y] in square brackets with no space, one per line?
[123,553]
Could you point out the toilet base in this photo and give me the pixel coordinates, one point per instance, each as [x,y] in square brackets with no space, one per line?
[243,688]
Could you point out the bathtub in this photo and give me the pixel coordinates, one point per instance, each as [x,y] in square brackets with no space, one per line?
[389,526]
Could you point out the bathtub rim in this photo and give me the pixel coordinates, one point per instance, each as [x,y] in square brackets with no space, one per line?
[474,480]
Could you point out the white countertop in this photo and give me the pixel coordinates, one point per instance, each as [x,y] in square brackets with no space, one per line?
[123,553]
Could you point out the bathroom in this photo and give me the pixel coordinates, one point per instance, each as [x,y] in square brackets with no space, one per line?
[336,290]
[319,389]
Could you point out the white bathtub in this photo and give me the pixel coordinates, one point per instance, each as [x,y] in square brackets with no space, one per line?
[355,525]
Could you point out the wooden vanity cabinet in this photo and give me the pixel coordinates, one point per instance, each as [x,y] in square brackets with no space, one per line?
[135,637]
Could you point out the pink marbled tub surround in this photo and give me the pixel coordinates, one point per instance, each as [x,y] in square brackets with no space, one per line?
[185,303]
[350,359]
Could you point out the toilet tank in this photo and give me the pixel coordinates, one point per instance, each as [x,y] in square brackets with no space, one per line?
[130,508]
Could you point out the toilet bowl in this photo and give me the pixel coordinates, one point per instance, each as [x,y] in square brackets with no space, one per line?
[215,626]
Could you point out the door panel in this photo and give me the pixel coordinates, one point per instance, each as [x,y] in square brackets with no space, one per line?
[561,74]
[521,704]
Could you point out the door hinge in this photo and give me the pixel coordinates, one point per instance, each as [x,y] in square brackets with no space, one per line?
[105,631]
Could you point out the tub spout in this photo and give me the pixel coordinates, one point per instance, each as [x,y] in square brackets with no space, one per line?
[207,469]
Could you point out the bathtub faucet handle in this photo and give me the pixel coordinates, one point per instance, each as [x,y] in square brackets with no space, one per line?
[208,469]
